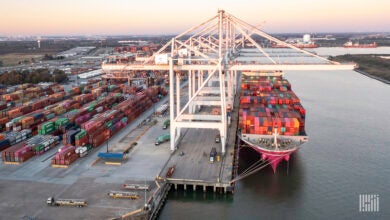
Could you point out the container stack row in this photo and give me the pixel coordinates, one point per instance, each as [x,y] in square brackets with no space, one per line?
[10,138]
[268,103]
[101,127]
[25,150]
[17,101]
[80,120]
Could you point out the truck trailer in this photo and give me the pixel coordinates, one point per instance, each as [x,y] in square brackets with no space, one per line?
[66,202]
[162,138]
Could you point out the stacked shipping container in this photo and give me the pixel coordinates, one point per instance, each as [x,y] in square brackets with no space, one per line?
[103,126]
[266,103]
[55,114]
[65,156]
[25,150]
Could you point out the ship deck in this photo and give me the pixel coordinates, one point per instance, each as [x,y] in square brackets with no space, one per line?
[265,141]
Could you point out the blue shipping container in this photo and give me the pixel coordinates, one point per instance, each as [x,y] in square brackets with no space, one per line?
[111,155]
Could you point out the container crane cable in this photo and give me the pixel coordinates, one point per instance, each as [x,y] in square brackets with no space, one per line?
[251,167]
[256,169]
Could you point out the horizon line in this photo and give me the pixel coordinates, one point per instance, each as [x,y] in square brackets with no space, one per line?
[174,34]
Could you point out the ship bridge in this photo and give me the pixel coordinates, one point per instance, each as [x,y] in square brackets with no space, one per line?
[209,58]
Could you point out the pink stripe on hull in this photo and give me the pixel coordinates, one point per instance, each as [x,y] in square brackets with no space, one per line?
[274,158]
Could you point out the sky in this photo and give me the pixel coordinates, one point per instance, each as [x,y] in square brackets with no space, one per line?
[114,17]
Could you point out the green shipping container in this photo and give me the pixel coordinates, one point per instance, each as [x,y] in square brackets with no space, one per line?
[17,119]
[46,131]
[90,108]
[74,110]
[81,134]
[61,122]
[50,116]
[39,147]
[48,125]
[46,128]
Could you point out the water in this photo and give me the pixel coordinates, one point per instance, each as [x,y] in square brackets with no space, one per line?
[335,51]
[289,56]
[348,123]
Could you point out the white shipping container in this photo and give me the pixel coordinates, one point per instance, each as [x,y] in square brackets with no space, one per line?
[9,124]
[83,154]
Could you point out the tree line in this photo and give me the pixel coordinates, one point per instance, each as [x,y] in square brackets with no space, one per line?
[52,57]
[15,77]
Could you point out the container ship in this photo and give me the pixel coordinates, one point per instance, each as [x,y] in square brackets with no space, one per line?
[349,44]
[271,117]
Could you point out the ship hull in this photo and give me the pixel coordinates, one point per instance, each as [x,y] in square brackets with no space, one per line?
[357,45]
[273,156]
[361,46]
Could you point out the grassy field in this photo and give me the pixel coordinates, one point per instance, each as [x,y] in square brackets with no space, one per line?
[14,58]
[372,64]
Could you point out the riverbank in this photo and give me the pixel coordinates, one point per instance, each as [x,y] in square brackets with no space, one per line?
[374,66]
[372,76]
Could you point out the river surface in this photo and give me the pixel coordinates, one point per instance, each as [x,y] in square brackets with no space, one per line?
[335,51]
[348,123]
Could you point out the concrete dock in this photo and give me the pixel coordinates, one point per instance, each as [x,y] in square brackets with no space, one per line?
[193,169]
[27,186]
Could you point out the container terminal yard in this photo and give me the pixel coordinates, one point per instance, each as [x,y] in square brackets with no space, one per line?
[116,146]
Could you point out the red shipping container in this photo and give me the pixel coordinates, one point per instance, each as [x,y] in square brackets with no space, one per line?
[83,141]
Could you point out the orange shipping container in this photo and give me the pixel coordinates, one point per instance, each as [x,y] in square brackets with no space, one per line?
[27,121]
[76,90]
[2,136]
[14,113]
[4,120]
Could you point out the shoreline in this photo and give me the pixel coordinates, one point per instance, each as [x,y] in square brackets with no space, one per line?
[372,76]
